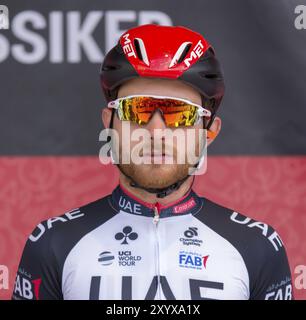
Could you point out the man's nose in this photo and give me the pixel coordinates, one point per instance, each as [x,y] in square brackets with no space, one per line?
[156,122]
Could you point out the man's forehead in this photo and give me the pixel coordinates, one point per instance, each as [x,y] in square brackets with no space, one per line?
[162,87]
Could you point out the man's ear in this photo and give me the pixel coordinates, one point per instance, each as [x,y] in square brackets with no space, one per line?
[214,130]
[106,117]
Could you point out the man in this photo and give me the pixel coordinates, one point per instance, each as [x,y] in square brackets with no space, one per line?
[154,237]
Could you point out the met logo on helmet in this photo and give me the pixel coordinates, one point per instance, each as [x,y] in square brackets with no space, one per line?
[127,46]
[196,53]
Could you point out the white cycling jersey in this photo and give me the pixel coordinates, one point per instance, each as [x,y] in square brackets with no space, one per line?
[120,247]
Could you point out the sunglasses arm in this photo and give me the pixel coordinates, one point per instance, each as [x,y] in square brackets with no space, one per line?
[203,112]
[113,104]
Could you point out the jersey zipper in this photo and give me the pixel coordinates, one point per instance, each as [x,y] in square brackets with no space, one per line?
[157,251]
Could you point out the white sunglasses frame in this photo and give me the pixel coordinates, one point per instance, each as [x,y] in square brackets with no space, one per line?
[202,112]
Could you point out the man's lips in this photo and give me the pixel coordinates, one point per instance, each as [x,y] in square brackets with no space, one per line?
[157,154]
[154,154]
[157,157]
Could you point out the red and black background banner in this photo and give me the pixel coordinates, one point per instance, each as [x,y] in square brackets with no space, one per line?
[50,112]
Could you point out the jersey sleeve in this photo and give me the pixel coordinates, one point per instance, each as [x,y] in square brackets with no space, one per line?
[260,247]
[273,280]
[37,275]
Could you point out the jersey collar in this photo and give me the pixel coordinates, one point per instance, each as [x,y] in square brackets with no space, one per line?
[123,200]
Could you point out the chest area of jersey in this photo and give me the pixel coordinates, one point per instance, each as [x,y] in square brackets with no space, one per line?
[134,258]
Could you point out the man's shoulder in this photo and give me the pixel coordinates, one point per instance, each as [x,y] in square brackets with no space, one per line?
[246,234]
[74,223]
[259,245]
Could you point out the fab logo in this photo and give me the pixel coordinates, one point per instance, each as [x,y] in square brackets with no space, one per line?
[192,260]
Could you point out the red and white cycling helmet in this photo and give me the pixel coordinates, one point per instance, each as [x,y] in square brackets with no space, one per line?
[164,52]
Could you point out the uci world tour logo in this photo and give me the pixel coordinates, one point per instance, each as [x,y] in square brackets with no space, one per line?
[126,234]
[106,258]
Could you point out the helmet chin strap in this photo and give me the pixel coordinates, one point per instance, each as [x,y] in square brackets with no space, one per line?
[160,192]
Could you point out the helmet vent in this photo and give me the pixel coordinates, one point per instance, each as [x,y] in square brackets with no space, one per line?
[110,68]
[141,50]
[180,54]
[210,75]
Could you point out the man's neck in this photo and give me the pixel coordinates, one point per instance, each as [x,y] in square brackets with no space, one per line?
[151,197]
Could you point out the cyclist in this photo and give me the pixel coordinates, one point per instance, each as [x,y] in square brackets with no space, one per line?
[153,237]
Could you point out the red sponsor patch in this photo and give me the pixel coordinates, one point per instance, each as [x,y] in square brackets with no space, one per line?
[36,284]
[183,207]
[205,260]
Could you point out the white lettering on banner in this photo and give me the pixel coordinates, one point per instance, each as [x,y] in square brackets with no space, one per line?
[113,20]
[81,36]
[274,238]
[56,37]
[71,215]
[300,280]
[4,277]
[300,20]
[76,28]
[4,48]
[34,39]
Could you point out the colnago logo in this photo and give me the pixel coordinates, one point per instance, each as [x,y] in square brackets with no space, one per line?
[273,237]
[192,260]
[126,234]
[42,227]
[26,287]
[69,37]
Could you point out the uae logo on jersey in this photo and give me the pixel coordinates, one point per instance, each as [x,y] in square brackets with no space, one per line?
[126,233]
[192,260]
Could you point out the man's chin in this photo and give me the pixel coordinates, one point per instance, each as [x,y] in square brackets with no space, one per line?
[154,175]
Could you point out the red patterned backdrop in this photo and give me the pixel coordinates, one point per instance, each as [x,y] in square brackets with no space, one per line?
[270,189]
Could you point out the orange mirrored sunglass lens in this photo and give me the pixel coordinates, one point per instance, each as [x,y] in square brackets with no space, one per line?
[175,112]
